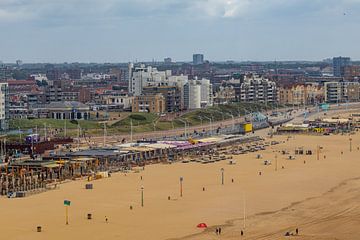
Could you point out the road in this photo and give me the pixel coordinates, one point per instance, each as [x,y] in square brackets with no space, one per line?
[299,117]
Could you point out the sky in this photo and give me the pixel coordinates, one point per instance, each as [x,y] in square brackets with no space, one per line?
[142,30]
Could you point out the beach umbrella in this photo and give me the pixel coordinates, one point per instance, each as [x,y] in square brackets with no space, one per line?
[202,225]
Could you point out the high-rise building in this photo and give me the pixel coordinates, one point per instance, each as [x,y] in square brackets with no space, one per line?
[143,76]
[192,95]
[198,59]
[4,106]
[206,93]
[167,60]
[339,63]
[5,72]
[198,94]
[18,63]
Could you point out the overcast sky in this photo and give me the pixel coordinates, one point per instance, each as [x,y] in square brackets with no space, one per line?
[129,30]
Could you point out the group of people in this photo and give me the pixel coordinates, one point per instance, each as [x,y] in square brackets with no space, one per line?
[287,234]
[218,231]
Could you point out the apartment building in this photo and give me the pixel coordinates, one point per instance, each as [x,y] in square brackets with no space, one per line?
[172,96]
[114,99]
[301,94]
[4,106]
[336,92]
[149,103]
[198,94]
[255,88]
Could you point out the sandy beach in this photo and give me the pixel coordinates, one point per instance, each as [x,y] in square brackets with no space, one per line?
[319,197]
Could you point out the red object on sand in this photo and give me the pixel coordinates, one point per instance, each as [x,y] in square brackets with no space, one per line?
[202,225]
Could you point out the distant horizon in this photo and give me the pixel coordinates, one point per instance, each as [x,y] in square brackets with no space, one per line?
[179,61]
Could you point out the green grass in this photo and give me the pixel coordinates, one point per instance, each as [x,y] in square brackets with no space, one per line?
[222,112]
[164,125]
[53,123]
[136,119]
[142,122]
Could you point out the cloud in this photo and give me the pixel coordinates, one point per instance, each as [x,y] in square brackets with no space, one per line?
[107,13]
[92,30]
[18,10]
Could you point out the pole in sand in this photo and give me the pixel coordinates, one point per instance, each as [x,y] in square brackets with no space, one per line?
[142,196]
[222,176]
[318,152]
[67,204]
[131,131]
[244,206]
[276,162]
[181,187]
[350,143]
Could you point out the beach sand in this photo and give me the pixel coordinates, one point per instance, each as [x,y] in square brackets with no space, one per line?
[319,197]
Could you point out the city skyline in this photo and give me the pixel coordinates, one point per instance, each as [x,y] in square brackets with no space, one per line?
[143,30]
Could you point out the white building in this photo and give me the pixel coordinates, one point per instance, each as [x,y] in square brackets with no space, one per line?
[143,76]
[96,76]
[198,94]
[192,95]
[39,77]
[4,103]
[257,89]
[179,82]
[206,93]
[114,100]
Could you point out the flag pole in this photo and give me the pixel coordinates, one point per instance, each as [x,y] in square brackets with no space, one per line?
[67,214]
[244,205]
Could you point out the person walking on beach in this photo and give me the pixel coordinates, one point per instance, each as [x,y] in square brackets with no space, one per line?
[297,231]
[220,231]
[217,231]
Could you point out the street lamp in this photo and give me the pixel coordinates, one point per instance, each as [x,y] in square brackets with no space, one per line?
[142,196]
[221,113]
[233,119]
[211,127]
[181,187]
[185,132]
[20,135]
[45,131]
[238,108]
[222,176]
[250,114]
[154,124]
[201,119]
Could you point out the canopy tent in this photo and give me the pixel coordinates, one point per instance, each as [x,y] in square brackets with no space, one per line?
[202,225]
